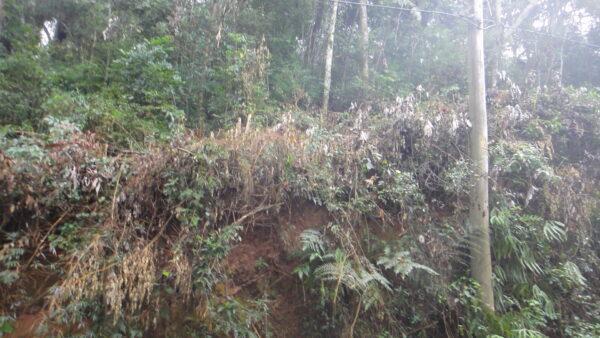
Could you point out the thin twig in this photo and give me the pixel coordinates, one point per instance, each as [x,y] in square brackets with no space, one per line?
[38,248]
[355,318]
[421,328]
[185,150]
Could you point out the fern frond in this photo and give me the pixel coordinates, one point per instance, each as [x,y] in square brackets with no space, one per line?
[370,274]
[527,333]
[554,231]
[312,241]
[570,271]
[545,301]
[401,263]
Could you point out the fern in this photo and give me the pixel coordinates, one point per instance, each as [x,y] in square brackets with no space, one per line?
[554,231]
[312,242]
[569,276]
[526,333]
[401,263]
[363,280]
[341,266]
[338,271]
[514,234]
[544,301]
[574,274]
[371,274]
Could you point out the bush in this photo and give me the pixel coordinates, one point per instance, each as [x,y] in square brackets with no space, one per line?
[144,75]
[23,89]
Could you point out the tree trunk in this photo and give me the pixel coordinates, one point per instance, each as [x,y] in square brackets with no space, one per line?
[329,57]
[498,47]
[364,42]
[1,15]
[525,13]
[314,32]
[561,69]
[503,36]
[481,263]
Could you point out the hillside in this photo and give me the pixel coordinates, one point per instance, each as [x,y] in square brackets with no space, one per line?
[300,168]
[354,225]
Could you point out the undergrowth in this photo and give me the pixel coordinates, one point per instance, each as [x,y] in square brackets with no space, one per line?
[135,240]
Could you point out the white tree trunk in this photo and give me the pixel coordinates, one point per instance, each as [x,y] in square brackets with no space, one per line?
[329,57]
[503,36]
[1,14]
[498,45]
[364,41]
[525,13]
[481,263]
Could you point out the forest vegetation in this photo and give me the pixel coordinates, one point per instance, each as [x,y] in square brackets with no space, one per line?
[300,168]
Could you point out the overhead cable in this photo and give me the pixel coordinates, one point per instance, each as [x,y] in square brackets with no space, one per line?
[466,18]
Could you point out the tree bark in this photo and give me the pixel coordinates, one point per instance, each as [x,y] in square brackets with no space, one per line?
[481,263]
[525,13]
[329,56]
[498,48]
[314,32]
[364,42]
[1,15]
[503,36]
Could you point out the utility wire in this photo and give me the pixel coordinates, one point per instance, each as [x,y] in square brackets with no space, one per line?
[466,18]
[590,45]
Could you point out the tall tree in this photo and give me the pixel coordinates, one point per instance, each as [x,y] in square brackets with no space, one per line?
[364,41]
[481,262]
[504,35]
[329,56]
[498,47]
[1,15]
[314,32]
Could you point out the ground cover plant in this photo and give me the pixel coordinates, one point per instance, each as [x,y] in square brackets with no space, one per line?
[338,222]
[295,168]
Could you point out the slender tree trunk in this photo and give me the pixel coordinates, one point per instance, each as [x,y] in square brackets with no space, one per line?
[525,13]
[503,36]
[109,53]
[314,32]
[1,15]
[562,61]
[481,263]
[364,42]
[329,57]
[498,48]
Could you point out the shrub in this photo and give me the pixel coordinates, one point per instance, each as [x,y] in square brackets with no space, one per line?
[23,89]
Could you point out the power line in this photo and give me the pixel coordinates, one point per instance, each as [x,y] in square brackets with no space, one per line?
[583,43]
[560,38]
[414,9]
[468,19]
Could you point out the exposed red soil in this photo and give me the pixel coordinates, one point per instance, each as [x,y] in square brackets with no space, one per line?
[26,325]
[264,261]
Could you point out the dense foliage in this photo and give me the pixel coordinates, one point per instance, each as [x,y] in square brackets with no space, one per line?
[164,170]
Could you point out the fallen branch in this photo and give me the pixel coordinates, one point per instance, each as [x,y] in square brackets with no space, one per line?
[240,220]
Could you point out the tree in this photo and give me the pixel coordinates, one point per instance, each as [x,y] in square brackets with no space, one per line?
[329,56]
[364,41]
[314,32]
[481,263]
[503,35]
[1,15]
[495,62]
